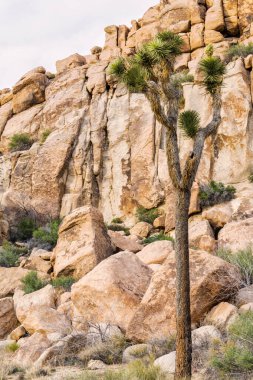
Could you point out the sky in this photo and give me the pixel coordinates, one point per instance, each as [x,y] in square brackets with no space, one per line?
[40,32]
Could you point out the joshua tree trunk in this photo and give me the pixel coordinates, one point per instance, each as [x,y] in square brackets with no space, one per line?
[183,340]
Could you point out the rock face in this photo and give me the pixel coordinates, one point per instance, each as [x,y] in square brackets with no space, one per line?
[111,292]
[155,316]
[10,280]
[237,236]
[83,242]
[8,319]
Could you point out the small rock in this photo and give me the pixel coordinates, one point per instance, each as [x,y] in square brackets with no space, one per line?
[244,296]
[167,363]
[141,230]
[204,335]
[246,307]
[222,315]
[96,364]
[155,253]
[18,333]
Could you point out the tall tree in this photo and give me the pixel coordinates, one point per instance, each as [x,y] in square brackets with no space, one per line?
[151,72]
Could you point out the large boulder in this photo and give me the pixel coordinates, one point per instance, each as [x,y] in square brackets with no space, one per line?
[237,235]
[155,253]
[83,243]
[111,292]
[30,90]
[10,279]
[8,319]
[212,279]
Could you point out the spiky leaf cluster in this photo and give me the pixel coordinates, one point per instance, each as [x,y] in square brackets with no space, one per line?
[154,61]
[213,70]
[189,123]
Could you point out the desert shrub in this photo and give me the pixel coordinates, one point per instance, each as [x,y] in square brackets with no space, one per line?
[110,352]
[243,260]
[63,282]
[20,141]
[31,282]
[239,50]
[9,254]
[118,227]
[250,178]
[48,234]
[182,77]
[145,215]
[235,356]
[45,135]
[156,237]
[116,221]
[163,346]
[215,193]
[25,228]
[232,358]
[12,347]
[136,370]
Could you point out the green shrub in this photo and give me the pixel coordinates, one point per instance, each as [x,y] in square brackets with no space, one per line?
[148,216]
[243,260]
[25,228]
[31,282]
[63,282]
[118,227]
[239,50]
[182,77]
[232,358]
[110,352]
[242,327]
[12,347]
[156,237]
[116,221]
[48,234]
[215,193]
[250,178]
[45,135]
[20,141]
[9,254]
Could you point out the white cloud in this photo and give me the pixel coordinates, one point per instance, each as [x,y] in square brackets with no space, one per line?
[39,32]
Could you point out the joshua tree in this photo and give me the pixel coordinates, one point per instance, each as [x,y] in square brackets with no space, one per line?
[150,71]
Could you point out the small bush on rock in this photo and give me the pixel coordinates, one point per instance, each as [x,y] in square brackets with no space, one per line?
[31,282]
[116,221]
[20,141]
[9,254]
[157,237]
[243,260]
[118,227]
[239,50]
[64,282]
[12,347]
[45,135]
[48,234]
[215,193]
[250,178]
[25,228]
[148,216]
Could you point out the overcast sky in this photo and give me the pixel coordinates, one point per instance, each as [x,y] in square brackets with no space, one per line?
[39,32]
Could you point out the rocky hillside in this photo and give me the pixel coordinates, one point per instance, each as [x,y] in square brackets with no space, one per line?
[77,146]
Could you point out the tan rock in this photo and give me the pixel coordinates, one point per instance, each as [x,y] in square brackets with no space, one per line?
[24,303]
[167,363]
[123,278]
[236,236]
[248,61]
[30,90]
[222,315]
[197,36]
[181,61]
[38,264]
[32,349]
[70,62]
[41,253]
[198,229]
[246,307]
[218,215]
[18,333]
[156,253]
[159,222]
[214,17]
[244,296]
[85,228]
[141,230]
[245,8]
[207,243]
[212,36]
[205,335]
[232,25]
[126,243]
[5,115]
[156,315]
[8,319]
[10,280]
[96,82]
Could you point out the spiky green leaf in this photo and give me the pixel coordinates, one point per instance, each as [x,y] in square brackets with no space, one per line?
[118,68]
[213,70]
[135,78]
[189,123]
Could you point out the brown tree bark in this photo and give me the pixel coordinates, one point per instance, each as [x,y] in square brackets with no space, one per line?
[183,338]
